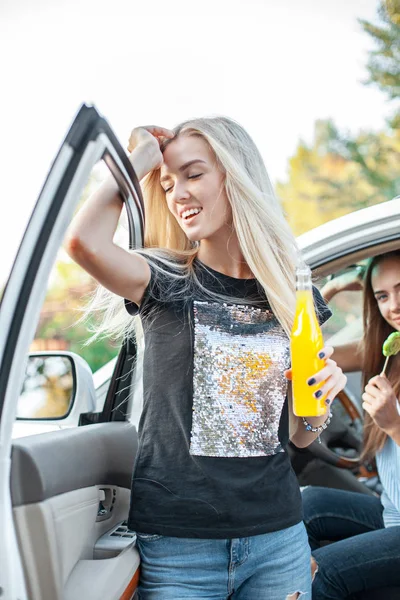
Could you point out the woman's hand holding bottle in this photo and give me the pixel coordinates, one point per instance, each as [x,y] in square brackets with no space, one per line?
[331,376]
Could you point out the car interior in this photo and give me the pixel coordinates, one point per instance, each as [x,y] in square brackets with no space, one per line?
[70,488]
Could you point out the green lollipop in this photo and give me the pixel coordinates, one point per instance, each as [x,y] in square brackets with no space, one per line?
[391,346]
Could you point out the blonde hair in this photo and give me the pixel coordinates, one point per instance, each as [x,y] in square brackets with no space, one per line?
[266,241]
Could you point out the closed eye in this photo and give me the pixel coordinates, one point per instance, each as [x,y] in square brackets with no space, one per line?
[197,176]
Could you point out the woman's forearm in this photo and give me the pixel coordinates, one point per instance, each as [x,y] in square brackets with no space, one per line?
[329,291]
[95,224]
[394,432]
[301,437]
[90,238]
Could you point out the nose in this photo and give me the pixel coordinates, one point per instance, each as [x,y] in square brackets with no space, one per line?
[180,193]
[394,303]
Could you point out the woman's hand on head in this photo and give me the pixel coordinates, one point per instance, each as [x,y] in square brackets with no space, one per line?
[380,402]
[144,146]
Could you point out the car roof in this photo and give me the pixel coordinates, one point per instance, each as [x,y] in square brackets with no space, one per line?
[360,229]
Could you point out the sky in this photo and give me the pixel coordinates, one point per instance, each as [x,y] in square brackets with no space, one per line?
[276,66]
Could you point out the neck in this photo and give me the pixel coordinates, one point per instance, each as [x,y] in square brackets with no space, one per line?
[225,256]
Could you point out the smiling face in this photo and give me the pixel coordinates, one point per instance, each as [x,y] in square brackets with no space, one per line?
[385,281]
[194,188]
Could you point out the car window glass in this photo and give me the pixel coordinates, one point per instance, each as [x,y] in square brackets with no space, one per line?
[69,290]
[46,393]
[345,325]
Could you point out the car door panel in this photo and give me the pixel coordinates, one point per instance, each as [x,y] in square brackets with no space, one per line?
[56,491]
[44,479]
[92,581]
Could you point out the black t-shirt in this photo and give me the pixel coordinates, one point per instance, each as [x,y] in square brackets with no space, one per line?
[211,461]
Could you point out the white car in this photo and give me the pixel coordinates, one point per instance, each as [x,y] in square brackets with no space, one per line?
[64,488]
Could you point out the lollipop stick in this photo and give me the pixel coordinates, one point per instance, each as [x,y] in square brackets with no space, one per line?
[385,365]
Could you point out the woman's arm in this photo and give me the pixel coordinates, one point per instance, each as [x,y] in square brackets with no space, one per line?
[333,382]
[349,357]
[90,236]
[380,402]
[350,282]
[298,434]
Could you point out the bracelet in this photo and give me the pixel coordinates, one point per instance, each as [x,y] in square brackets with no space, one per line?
[320,428]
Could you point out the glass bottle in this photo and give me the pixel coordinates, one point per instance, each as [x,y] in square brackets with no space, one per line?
[305,343]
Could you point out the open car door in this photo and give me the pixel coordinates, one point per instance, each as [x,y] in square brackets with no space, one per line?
[64,495]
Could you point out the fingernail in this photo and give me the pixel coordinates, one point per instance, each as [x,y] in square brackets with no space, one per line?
[311,381]
[327,401]
[318,394]
[321,354]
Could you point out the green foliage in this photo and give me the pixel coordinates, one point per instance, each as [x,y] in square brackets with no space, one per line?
[64,326]
[339,173]
[384,62]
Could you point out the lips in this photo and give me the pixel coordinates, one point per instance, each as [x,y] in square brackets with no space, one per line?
[190,212]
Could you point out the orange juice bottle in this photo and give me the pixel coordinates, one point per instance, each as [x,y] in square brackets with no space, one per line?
[305,343]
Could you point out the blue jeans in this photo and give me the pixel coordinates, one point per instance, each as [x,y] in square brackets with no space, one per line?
[364,556]
[271,566]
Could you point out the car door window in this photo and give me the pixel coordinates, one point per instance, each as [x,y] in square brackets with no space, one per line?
[345,325]
[61,325]
[62,290]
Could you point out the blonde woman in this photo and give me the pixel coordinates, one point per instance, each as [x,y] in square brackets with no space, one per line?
[215,503]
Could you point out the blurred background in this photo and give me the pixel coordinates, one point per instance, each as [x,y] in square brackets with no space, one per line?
[315,83]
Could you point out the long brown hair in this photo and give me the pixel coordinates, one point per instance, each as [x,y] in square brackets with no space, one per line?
[376,330]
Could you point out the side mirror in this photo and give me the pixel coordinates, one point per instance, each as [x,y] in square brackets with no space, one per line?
[48,389]
[58,386]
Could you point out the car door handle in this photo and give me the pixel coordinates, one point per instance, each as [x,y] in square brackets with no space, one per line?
[107,497]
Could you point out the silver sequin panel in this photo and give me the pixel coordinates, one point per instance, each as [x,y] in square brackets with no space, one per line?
[240,354]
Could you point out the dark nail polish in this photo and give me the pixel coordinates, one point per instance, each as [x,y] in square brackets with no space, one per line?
[311,381]
[327,401]
[318,394]
[321,354]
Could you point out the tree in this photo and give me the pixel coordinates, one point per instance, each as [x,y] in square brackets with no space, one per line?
[325,181]
[384,62]
[338,172]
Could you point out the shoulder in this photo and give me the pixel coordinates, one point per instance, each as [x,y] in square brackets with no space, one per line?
[168,280]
